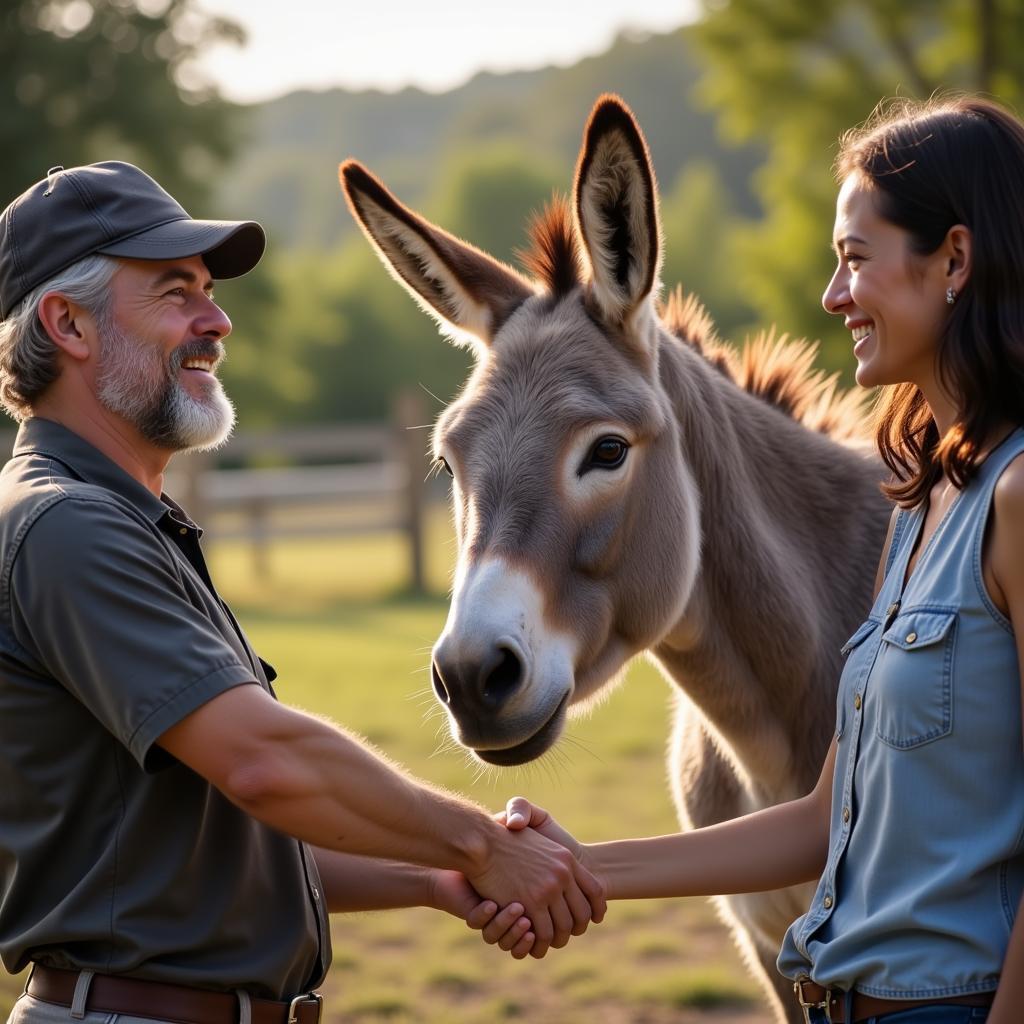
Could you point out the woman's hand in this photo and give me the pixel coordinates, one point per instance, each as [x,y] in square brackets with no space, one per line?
[506,928]
[519,813]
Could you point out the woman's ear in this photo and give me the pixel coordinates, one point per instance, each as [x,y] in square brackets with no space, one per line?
[69,326]
[957,249]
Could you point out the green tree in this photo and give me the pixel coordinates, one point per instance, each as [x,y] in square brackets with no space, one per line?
[323,336]
[489,193]
[327,337]
[699,224]
[382,344]
[795,74]
[86,80]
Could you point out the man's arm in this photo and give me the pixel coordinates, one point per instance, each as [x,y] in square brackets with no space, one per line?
[316,782]
[354,883]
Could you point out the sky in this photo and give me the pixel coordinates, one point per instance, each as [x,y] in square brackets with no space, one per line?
[433,44]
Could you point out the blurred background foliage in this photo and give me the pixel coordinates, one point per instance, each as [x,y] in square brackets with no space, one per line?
[794,74]
[87,80]
[742,110]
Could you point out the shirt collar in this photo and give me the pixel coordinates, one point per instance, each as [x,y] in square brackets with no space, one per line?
[44,437]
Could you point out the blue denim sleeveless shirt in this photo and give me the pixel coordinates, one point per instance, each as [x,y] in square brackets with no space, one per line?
[925,867]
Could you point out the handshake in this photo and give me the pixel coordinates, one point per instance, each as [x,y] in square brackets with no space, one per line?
[534,890]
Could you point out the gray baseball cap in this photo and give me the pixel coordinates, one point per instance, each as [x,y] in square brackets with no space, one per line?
[115,209]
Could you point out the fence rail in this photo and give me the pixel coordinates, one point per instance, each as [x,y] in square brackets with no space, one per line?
[310,481]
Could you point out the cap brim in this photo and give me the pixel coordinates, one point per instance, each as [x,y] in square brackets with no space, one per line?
[229,248]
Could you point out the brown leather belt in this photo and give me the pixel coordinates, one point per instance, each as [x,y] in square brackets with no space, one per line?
[813,996]
[136,998]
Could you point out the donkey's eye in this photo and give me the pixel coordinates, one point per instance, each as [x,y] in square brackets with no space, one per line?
[607,453]
[442,463]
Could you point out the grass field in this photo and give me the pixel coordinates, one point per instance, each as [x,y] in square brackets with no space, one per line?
[346,643]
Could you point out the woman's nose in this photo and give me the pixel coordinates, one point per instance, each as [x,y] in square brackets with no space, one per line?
[837,294]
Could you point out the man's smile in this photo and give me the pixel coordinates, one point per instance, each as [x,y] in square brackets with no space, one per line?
[199,363]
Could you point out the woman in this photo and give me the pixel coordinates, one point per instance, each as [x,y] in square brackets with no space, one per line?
[915,830]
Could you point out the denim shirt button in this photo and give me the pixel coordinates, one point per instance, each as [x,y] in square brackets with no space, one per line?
[827,902]
[856,702]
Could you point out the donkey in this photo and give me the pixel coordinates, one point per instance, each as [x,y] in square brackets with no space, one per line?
[623,483]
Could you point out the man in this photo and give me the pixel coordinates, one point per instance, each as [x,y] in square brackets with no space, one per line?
[171,837]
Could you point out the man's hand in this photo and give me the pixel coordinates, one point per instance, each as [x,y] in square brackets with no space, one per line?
[311,780]
[520,814]
[559,895]
[506,928]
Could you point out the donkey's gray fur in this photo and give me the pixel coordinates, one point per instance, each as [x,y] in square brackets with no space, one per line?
[737,543]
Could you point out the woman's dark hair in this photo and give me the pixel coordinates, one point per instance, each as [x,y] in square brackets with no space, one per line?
[932,166]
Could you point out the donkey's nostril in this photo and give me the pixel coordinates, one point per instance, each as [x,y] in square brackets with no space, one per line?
[439,688]
[501,676]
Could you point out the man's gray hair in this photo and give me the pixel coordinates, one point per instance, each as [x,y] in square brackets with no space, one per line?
[28,356]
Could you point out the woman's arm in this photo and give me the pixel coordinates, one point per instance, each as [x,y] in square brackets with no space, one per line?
[769,849]
[1006,1008]
[1006,559]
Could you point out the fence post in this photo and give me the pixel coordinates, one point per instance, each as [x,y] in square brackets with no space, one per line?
[192,466]
[410,420]
[260,530]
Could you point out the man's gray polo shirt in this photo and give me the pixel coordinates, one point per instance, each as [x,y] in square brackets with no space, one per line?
[114,856]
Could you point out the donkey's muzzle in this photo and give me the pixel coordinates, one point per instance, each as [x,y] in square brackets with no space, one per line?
[482,685]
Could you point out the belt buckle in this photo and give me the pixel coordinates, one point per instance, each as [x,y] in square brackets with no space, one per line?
[293,1006]
[798,988]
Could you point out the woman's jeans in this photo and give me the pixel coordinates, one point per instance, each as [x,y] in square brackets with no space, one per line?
[937,1014]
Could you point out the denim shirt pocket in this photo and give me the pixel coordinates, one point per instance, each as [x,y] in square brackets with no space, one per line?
[847,651]
[913,679]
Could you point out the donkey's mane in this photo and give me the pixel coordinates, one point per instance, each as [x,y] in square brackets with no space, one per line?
[776,368]
[554,256]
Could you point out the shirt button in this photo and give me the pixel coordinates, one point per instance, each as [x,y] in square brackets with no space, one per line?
[316,893]
[856,702]
[183,531]
[911,637]
[827,902]
[846,814]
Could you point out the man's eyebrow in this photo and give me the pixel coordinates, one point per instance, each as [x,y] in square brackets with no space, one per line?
[181,274]
[840,243]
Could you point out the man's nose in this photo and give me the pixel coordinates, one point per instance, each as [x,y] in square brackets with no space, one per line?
[212,321]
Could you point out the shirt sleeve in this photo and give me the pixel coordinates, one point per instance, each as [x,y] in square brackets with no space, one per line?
[101,603]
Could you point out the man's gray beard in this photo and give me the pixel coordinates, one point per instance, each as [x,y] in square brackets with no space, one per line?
[133,382]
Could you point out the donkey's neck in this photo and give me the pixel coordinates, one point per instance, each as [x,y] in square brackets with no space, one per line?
[754,648]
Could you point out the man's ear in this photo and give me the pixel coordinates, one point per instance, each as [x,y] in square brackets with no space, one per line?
[69,326]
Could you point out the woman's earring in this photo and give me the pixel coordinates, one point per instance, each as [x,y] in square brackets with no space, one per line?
[950,295]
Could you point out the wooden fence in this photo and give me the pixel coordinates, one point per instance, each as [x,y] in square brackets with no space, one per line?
[310,481]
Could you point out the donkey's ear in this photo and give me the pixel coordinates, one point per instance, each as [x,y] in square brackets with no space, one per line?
[469,292]
[617,211]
